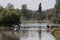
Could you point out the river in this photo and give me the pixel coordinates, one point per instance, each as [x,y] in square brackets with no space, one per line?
[30,31]
[35,31]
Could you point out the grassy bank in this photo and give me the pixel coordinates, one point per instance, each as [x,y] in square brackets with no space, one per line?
[6,28]
[34,21]
[56,33]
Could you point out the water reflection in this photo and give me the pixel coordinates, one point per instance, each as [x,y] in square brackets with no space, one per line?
[9,35]
[28,33]
[39,33]
[31,33]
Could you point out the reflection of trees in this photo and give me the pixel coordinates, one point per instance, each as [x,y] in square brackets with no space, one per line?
[24,34]
[10,36]
[40,32]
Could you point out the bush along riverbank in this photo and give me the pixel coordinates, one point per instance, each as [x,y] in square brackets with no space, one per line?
[56,33]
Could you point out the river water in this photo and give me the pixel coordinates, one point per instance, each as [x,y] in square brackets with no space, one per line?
[35,31]
[29,31]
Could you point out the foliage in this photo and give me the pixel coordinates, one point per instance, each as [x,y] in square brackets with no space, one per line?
[12,15]
[57,33]
[56,16]
[24,11]
[10,6]
[40,11]
[9,16]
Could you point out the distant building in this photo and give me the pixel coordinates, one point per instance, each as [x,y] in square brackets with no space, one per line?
[57,1]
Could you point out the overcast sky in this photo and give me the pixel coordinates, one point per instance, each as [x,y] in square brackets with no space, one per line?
[31,4]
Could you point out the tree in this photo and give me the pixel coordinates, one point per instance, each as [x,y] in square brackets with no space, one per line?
[10,6]
[9,18]
[40,11]
[8,21]
[1,8]
[24,11]
[56,16]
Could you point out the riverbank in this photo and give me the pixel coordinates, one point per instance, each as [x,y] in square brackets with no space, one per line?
[56,33]
[34,21]
[9,35]
[2,28]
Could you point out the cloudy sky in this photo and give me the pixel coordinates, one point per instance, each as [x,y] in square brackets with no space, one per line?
[31,4]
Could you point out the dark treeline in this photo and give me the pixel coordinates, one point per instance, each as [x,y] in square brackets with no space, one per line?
[52,15]
[10,16]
